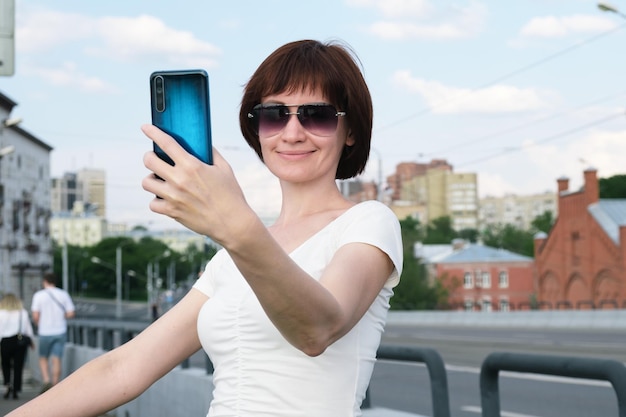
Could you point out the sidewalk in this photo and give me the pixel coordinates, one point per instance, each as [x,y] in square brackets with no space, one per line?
[29,391]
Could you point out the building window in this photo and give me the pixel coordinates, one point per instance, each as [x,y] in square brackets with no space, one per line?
[486,280]
[486,305]
[469,305]
[468,282]
[503,279]
[504,305]
[478,277]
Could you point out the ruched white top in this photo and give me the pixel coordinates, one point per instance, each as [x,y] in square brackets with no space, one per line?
[257,372]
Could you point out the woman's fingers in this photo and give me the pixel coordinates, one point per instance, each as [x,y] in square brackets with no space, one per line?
[164,141]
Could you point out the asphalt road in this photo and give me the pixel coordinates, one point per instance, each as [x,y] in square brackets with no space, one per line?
[406,386]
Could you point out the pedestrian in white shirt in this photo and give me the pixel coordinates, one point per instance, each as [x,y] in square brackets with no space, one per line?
[51,308]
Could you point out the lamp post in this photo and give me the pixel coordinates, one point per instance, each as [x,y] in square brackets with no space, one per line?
[606,7]
[153,273]
[379,188]
[131,274]
[118,282]
[118,278]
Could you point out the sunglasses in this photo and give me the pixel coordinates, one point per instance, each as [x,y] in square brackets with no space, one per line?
[318,118]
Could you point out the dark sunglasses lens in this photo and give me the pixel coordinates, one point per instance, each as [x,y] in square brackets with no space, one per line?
[271,119]
[319,119]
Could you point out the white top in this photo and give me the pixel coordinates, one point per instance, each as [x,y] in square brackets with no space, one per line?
[52,321]
[10,323]
[257,372]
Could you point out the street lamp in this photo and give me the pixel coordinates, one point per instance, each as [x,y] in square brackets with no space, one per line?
[118,282]
[379,188]
[118,278]
[606,7]
[153,273]
[130,273]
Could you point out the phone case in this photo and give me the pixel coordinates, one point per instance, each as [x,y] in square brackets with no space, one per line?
[180,107]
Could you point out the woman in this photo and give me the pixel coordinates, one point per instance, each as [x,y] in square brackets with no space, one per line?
[291,315]
[14,325]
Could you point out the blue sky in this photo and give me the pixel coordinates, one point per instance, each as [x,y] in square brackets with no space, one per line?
[520,92]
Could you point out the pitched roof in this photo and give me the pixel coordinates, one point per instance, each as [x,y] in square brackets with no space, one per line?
[610,215]
[475,253]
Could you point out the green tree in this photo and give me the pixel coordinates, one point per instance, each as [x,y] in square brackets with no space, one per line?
[414,292]
[613,187]
[90,279]
[470,235]
[510,238]
[543,222]
[440,230]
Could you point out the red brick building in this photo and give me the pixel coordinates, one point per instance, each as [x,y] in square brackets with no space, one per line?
[480,277]
[582,262]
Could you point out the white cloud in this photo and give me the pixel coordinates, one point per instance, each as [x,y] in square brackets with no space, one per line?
[413,19]
[406,30]
[40,30]
[68,75]
[545,163]
[118,38]
[395,8]
[133,38]
[493,185]
[559,27]
[598,148]
[444,99]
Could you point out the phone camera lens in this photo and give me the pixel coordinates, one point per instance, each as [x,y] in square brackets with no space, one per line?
[159,94]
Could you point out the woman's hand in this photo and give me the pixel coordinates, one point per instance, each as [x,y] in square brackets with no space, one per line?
[205,198]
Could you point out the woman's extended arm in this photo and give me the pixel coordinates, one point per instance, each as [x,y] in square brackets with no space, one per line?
[122,374]
[310,314]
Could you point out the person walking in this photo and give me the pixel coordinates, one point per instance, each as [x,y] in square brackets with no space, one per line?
[51,307]
[17,336]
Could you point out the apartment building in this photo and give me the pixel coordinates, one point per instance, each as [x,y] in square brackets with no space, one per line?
[433,190]
[87,186]
[25,244]
[516,210]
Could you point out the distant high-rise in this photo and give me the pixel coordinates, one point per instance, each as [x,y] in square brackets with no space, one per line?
[86,186]
[430,191]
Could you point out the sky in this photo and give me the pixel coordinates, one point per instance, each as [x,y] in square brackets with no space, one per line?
[520,92]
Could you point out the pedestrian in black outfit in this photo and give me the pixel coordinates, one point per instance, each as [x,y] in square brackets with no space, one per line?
[17,333]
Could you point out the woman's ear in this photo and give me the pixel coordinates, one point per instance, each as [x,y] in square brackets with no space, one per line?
[350,139]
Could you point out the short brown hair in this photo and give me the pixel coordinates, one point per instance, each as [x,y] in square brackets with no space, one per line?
[50,278]
[328,67]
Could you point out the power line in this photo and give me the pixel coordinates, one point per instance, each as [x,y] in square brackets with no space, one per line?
[511,74]
[525,125]
[546,139]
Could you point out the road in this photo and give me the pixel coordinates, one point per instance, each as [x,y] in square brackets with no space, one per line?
[406,386]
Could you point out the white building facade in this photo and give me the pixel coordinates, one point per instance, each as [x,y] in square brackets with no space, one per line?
[25,242]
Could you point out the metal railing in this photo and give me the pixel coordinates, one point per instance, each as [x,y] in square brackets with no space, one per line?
[106,335]
[436,371]
[588,368]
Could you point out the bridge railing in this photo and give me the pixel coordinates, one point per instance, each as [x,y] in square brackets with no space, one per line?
[436,371]
[588,368]
[107,334]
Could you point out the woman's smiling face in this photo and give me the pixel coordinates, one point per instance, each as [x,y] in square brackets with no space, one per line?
[294,154]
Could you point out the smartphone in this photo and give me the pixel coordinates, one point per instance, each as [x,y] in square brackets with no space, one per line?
[180,107]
